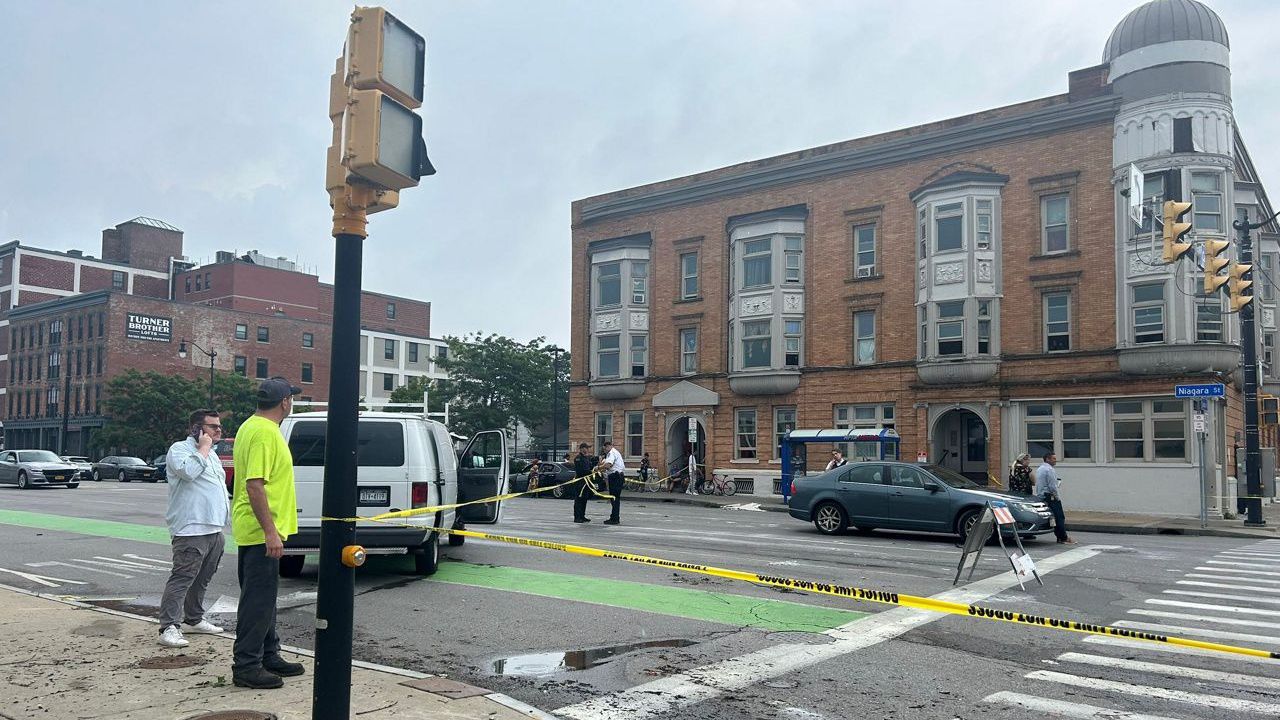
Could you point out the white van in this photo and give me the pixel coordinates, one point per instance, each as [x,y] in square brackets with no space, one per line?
[404,461]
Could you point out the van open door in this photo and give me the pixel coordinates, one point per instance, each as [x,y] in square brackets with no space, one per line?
[482,473]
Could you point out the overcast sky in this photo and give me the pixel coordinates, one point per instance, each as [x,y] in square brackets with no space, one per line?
[212,117]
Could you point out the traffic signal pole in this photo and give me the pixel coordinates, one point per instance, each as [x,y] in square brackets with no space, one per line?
[1249,338]
[335,597]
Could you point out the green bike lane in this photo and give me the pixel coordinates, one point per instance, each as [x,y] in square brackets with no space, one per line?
[730,605]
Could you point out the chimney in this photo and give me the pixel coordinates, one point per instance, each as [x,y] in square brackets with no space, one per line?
[76,253]
[1088,82]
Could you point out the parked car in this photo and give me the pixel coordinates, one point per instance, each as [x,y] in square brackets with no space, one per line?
[223,449]
[29,468]
[160,463]
[83,466]
[905,496]
[549,474]
[403,462]
[124,468]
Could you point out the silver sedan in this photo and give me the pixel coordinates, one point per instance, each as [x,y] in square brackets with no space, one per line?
[29,468]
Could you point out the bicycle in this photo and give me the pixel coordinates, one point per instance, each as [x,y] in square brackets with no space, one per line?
[649,481]
[717,485]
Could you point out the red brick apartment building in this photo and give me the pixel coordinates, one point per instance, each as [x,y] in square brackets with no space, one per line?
[974,284]
[76,321]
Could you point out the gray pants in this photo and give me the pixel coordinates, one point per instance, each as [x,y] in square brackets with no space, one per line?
[256,616]
[195,560]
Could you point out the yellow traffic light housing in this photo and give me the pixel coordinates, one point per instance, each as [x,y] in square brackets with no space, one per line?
[387,55]
[382,141]
[1175,230]
[1213,263]
[1268,410]
[1237,285]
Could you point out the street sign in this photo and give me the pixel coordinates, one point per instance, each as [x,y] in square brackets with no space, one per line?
[1195,391]
[1135,194]
[1198,426]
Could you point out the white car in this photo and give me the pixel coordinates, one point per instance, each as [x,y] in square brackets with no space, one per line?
[404,461]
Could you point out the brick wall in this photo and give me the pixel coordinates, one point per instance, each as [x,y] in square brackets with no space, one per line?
[95,278]
[42,271]
[141,246]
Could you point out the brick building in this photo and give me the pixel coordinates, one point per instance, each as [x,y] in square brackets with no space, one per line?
[76,322]
[974,284]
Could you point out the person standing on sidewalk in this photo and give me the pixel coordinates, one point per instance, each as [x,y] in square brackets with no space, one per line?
[691,488]
[616,471]
[263,515]
[1047,488]
[1020,475]
[583,466]
[196,516]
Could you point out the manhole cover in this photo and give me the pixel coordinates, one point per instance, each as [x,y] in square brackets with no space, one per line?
[781,684]
[170,662]
[234,715]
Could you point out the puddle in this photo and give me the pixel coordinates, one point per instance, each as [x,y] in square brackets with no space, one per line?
[169,662]
[144,605]
[554,662]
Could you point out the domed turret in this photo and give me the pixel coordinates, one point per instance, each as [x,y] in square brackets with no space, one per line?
[1169,46]
[1162,21]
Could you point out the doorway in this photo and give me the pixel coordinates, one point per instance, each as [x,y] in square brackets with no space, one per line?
[686,433]
[960,443]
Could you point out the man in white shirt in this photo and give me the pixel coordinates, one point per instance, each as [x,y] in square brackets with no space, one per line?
[692,487]
[197,513]
[615,468]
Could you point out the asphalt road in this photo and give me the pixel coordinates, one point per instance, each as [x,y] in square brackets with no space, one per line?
[594,638]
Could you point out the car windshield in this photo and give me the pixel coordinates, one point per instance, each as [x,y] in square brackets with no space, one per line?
[37,456]
[76,459]
[952,478]
[131,461]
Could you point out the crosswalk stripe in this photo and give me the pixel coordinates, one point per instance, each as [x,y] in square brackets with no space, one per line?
[1233,578]
[1228,586]
[1239,570]
[1224,596]
[1190,698]
[1234,609]
[1202,632]
[1205,618]
[1251,554]
[131,564]
[1262,566]
[1171,670]
[1065,709]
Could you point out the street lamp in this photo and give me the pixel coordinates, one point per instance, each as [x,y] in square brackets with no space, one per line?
[211,354]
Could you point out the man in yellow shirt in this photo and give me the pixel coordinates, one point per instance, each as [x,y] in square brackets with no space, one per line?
[263,515]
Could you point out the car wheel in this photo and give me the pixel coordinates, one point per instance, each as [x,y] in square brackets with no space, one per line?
[97,476]
[966,521]
[457,540]
[24,483]
[72,486]
[830,518]
[426,557]
[560,492]
[291,565]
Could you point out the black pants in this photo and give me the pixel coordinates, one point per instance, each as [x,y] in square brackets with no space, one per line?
[616,483]
[1059,518]
[256,615]
[580,500]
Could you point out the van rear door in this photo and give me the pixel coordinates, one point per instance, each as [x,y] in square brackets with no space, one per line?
[381,476]
[482,473]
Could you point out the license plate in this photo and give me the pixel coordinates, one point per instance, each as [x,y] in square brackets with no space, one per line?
[58,478]
[375,497]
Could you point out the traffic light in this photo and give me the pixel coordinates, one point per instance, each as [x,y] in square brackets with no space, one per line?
[1237,285]
[1268,410]
[383,74]
[1213,263]
[1174,230]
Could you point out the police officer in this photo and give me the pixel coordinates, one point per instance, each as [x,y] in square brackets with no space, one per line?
[583,466]
[616,471]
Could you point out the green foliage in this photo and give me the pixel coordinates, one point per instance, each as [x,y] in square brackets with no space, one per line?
[411,392]
[147,412]
[495,381]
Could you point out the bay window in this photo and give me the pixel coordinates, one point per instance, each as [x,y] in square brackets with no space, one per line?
[757,351]
[607,356]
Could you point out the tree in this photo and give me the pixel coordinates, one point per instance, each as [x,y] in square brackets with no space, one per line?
[495,382]
[147,412]
[411,392]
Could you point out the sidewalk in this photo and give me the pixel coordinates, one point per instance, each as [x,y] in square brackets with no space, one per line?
[1079,521]
[68,660]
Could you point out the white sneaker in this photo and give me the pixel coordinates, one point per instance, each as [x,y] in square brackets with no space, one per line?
[204,627]
[172,637]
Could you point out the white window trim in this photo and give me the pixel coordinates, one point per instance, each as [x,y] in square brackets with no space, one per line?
[858,339]
[685,276]
[1056,420]
[596,284]
[777,437]
[1134,306]
[1044,325]
[962,213]
[743,338]
[859,269]
[1148,418]
[737,434]
[1196,204]
[685,353]
[630,414]
[631,354]
[598,351]
[1044,223]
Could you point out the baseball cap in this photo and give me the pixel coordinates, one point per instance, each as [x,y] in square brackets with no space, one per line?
[276,389]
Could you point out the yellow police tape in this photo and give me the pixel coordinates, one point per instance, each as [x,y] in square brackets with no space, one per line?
[887,597]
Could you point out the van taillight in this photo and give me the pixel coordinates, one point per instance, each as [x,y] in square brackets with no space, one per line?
[421,494]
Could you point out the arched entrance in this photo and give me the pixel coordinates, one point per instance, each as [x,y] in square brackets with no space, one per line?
[686,432]
[960,443]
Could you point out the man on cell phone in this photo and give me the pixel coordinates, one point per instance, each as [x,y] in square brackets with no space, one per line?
[196,516]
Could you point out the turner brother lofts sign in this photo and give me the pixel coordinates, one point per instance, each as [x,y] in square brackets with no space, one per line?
[149,327]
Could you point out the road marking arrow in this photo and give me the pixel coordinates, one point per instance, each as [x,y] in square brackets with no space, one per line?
[42,579]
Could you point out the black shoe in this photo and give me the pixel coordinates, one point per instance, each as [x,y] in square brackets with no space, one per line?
[611,521]
[582,520]
[283,668]
[257,678]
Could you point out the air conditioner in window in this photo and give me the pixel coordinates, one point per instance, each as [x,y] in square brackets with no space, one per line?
[865,271]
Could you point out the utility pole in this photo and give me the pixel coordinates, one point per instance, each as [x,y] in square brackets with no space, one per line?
[1249,338]
[555,404]
[377,151]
